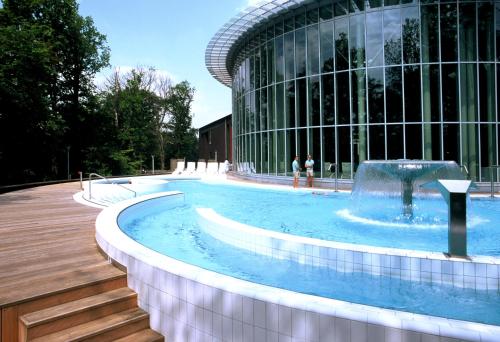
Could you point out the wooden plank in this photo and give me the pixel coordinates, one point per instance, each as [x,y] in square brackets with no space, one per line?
[9,323]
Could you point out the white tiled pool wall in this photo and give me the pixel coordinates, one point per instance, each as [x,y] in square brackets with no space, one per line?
[481,273]
[187,303]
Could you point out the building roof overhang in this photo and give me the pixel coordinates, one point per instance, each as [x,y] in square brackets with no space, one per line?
[218,56]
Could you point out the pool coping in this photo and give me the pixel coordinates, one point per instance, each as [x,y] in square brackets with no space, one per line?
[145,266]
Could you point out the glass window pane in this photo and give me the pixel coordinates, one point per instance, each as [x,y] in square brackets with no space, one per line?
[487,92]
[340,8]
[356,5]
[280,144]
[280,105]
[341,45]
[395,143]
[328,150]
[343,116]
[358,95]
[450,92]
[257,69]
[315,148]
[393,95]
[280,66]
[290,104]
[271,119]
[258,161]
[270,62]
[300,53]
[374,39]
[470,149]
[376,95]
[290,149]
[263,65]
[430,93]
[489,149]
[326,53]
[263,109]
[257,110]
[467,27]
[312,50]
[451,140]
[413,137]
[328,100]
[359,144]
[448,32]
[278,28]
[374,4]
[265,153]
[411,35]
[326,12]
[497,25]
[300,20]
[302,102]
[357,40]
[289,64]
[392,36]
[412,97]
[344,150]
[288,24]
[302,146]
[272,152]
[430,31]
[391,2]
[486,26]
[252,72]
[314,101]
[377,141]
[312,16]
[468,91]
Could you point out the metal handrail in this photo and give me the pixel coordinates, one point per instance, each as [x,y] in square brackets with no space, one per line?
[466,170]
[492,183]
[107,180]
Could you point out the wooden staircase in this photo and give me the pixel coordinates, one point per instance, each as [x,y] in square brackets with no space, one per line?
[89,304]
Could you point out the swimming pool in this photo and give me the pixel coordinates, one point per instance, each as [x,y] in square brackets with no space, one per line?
[329,215]
[174,232]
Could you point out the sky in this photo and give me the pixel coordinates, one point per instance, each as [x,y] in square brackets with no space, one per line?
[170,36]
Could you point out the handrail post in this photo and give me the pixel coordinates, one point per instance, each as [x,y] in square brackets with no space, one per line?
[81,179]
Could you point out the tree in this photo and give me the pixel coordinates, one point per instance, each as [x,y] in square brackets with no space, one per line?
[48,58]
[180,136]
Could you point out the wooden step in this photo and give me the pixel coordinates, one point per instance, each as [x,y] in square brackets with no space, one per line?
[56,283]
[76,312]
[146,335]
[104,329]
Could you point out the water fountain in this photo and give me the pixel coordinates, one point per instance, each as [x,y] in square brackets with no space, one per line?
[406,178]
[401,178]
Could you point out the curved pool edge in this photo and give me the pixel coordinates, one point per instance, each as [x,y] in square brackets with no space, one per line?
[475,272]
[186,301]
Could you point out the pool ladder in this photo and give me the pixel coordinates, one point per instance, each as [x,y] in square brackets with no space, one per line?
[107,180]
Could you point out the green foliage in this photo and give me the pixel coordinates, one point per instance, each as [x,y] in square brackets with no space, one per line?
[50,109]
[48,57]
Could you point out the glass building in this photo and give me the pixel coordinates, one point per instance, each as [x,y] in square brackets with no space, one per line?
[354,80]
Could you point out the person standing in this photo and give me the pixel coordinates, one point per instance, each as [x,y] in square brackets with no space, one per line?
[296,172]
[309,164]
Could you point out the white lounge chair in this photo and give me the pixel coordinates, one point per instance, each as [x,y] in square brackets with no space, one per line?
[212,168]
[191,168]
[179,168]
[202,168]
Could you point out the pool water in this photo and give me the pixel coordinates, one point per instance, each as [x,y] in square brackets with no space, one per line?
[330,216]
[175,233]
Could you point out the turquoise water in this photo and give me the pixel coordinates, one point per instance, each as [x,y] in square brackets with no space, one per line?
[329,216]
[174,232]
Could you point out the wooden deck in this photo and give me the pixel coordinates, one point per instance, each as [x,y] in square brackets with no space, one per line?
[47,247]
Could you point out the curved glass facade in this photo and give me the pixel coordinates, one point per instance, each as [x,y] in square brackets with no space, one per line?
[348,81]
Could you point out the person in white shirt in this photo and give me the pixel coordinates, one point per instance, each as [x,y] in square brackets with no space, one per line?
[309,164]
[296,172]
